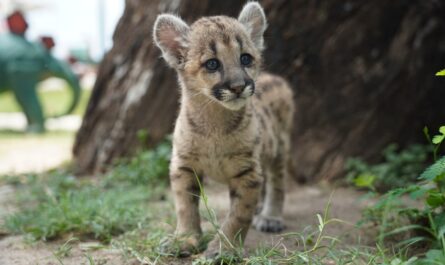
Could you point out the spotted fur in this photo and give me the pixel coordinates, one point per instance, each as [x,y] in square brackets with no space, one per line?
[234,123]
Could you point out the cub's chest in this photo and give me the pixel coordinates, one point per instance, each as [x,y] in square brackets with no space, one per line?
[220,158]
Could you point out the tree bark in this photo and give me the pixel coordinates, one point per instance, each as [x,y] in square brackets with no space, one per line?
[362,71]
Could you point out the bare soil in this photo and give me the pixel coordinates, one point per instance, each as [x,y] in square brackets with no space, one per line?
[302,205]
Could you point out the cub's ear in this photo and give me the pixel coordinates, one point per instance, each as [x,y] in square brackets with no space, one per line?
[254,20]
[170,34]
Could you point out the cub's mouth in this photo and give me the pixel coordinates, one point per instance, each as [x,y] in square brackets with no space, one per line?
[236,101]
[230,91]
[227,95]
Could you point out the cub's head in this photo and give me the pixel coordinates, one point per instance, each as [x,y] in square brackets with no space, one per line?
[218,56]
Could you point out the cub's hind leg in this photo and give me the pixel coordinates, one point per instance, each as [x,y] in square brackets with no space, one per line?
[270,218]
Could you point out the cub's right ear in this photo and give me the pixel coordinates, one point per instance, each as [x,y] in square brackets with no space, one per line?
[170,34]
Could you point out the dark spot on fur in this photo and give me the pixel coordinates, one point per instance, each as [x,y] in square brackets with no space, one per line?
[193,191]
[193,188]
[195,127]
[270,143]
[183,157]
[247,120]
[187,169]
[271,83]
[248,206]
[243,173]
[240,42]
[213,47]
[242,153]
[253,184]
[266,111]
[234,194]
[263,123]
[266,87]
[174,177]
[236,121]
[226,39]
[217,22]
[244,220]
[279,117]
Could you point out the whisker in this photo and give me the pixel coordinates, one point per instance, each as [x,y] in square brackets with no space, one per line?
[195,94]
[210,100]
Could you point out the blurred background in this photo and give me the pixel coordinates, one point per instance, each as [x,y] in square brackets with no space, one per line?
[82,33]
[75,25]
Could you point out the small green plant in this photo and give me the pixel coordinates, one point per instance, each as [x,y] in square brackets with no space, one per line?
[64,250]
[425,226]
[399,168]
[147,167]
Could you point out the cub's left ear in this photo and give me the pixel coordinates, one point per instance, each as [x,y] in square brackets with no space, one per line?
[254,20]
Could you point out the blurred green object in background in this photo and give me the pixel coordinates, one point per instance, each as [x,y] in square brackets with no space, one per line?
[23,64]
[53,101]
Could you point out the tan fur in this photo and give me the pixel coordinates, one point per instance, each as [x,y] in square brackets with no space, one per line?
[242,142]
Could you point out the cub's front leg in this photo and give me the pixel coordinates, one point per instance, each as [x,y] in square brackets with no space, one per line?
[245,189]
[186,192]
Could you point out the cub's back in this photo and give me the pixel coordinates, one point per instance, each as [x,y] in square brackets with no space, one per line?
[274,101]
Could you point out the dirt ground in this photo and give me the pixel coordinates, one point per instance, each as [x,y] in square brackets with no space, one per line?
[302,205]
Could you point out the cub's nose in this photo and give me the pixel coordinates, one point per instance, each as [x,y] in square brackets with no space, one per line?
[237,86]
[237,89]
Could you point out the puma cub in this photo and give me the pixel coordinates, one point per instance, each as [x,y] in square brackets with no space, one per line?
[234,124]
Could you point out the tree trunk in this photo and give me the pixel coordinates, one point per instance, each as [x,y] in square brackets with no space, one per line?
[362,71]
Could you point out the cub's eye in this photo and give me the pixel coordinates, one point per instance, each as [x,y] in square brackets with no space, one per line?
[246,59]
[212,65]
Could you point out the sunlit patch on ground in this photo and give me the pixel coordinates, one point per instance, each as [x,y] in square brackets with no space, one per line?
[20,152]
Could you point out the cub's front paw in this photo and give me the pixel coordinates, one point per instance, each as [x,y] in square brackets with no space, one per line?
[181,246]
[268,224]
[214,249]
[220,253]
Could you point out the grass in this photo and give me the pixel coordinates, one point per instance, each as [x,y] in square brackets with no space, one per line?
[409,217]
[313,246]
[55,204]
[84,210]
[398,168]
[61,205]
[128,215]
[54,102]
